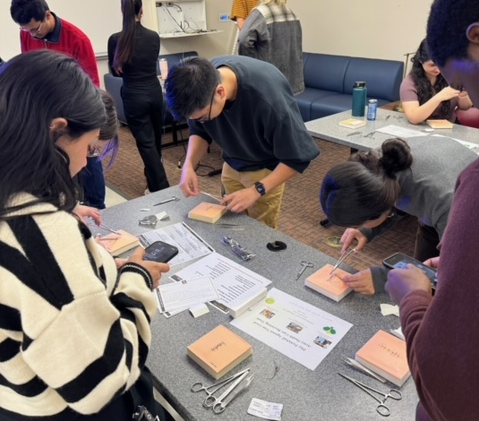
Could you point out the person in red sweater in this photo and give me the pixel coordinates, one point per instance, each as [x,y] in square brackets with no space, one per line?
[41,29]
[442,340]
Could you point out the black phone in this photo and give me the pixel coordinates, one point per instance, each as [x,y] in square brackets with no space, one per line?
[400,260]
[160,252]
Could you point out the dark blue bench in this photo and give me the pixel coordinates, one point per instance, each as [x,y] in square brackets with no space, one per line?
[329,82]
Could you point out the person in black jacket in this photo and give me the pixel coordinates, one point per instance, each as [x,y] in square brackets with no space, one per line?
[133,55]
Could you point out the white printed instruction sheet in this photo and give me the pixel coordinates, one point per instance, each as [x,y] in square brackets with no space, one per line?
[302,332]
[190,245]
[235,283]
[398,131]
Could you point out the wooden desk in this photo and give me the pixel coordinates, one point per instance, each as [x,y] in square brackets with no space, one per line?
[307,395]
[328,128]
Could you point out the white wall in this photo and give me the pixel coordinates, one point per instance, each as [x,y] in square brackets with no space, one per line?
[385,29]
[370,28]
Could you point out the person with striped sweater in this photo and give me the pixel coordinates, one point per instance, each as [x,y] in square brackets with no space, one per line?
[74,324]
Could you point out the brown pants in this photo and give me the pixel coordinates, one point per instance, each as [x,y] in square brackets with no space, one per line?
[266,209]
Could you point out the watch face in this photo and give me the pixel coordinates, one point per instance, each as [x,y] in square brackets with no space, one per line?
[260,188]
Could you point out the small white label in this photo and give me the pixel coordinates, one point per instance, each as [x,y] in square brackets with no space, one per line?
[266,410]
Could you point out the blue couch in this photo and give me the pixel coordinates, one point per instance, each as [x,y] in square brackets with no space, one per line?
[113,85]
[329,82]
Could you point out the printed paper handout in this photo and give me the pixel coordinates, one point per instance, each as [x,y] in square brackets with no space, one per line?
[235,284]
[190,245]
[293,327]
[178,296]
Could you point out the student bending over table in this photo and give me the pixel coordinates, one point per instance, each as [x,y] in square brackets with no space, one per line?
[247,107]
[366,192]
[74,330]
[425,94]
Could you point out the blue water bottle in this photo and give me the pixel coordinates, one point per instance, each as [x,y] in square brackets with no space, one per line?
[359,99]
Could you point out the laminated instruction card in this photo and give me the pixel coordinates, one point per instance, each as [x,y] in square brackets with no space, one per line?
[302,332]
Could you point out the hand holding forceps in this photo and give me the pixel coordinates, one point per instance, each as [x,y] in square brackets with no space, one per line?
[381,409]
[341,259]
[199,386]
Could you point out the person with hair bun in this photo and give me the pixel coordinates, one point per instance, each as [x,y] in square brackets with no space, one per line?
[425,94]
[373,190]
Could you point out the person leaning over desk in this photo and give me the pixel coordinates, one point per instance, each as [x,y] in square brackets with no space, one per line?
[247,107]
[441,337]
[371,191]
[425,94]
[75,333]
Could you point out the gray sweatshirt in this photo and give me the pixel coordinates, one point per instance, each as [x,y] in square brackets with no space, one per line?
[427,187]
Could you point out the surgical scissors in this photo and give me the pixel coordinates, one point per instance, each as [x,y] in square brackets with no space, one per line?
[341,259]
[381,409]
[199,386]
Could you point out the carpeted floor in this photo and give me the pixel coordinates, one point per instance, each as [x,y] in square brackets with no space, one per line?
[300,213]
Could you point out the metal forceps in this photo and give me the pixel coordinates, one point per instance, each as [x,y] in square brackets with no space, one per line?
[341,259]
[171,199]
[221,405]
[211,401]
[381,409]
[199,386]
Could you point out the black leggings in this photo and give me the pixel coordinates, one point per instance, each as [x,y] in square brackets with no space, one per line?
[427,240]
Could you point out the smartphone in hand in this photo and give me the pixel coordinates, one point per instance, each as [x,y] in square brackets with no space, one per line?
[160,252]
[400,260]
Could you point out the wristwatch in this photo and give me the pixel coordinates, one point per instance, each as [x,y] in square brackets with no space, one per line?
[260,188]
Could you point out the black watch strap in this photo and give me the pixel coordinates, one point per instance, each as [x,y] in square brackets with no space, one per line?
[260,188]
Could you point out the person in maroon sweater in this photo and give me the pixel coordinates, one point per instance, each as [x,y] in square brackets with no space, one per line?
[442,340]
[41,29]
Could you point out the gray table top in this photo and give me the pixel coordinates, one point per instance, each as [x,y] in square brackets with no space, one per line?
[328,128]
[306,395]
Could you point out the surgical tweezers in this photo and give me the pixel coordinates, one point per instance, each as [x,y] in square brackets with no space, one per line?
[341,259]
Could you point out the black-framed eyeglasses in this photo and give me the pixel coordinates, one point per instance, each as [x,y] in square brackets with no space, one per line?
[208,118]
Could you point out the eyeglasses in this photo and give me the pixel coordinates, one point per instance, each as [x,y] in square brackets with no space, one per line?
[34,32]
[208,118]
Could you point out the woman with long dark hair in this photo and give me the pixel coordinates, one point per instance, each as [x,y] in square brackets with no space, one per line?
[133,55]
[425,94]
[371,191]
[74,329]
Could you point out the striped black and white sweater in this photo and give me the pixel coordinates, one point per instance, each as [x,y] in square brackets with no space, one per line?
[74,332]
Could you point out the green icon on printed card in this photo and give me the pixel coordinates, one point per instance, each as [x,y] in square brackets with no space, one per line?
[269,300]
[329,330]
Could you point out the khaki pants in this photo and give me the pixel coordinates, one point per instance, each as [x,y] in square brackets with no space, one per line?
[266,209]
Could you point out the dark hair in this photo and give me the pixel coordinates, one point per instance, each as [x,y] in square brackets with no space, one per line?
[446,28]
[23,11]
[109,131]
[364,187]
[425,91]
[189,86]
[36,88]
[126,42]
